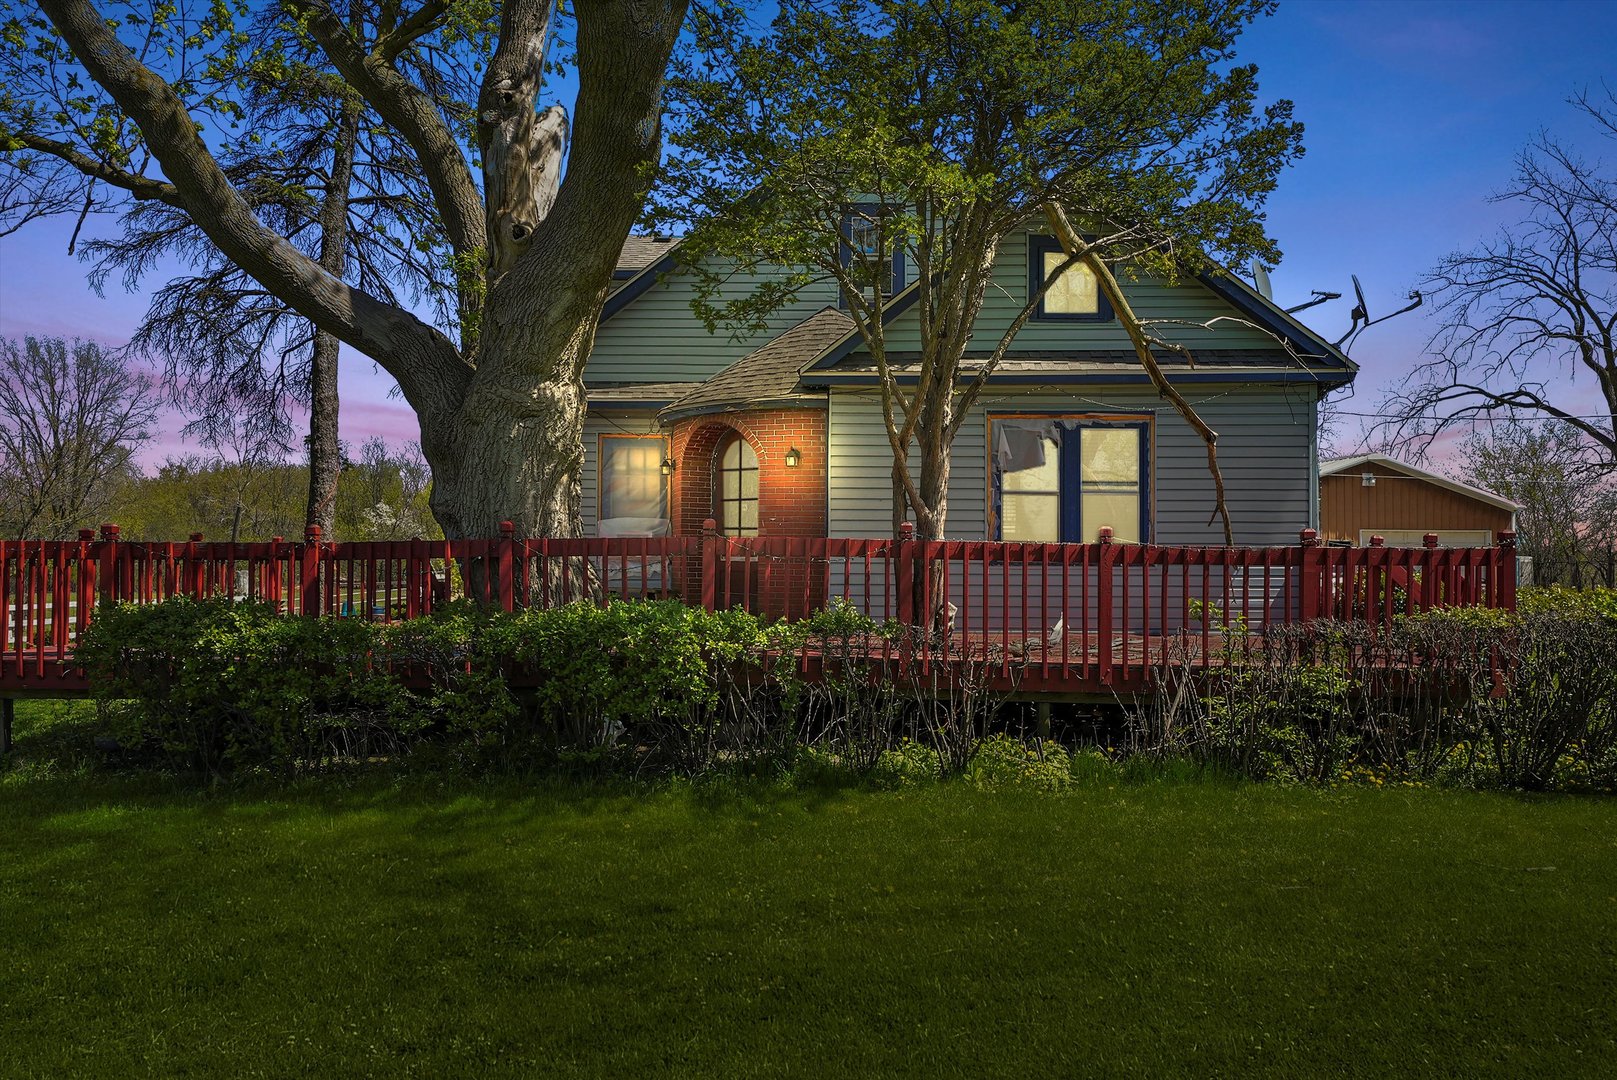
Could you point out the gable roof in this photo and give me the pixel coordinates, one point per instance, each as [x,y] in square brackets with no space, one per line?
[640,252]
[767,375]
[1272,317]
[640,263]
[645,259]
[1262,311]
[1348,464]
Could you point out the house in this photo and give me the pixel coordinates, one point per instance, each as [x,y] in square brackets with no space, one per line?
[1375,495]
[780,433]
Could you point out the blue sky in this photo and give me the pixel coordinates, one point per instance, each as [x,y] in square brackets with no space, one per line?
[1413,111]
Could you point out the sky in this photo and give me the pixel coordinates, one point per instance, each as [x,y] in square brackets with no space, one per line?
[1413,114]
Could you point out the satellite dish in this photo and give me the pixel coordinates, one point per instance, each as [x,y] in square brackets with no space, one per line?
[1360,316]
[1260,278]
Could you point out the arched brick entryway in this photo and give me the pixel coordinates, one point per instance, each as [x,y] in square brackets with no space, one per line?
[791,500]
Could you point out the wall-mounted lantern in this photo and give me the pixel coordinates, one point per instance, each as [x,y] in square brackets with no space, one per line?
[668,466]
[794,458]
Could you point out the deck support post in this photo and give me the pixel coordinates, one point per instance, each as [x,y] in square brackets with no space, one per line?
[1505,593]
[506,567]
[309,572]
[710,564]
[909,612]
[8,714]
[1104,611]
[108,566]
[1043,713]
[1313,571]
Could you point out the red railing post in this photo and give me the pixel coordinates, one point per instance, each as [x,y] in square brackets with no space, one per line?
[1312,569]
[710,564]
[86,596]
[505,579]
[1430,594]
[1103,604]
[107,558]
[196,569]
[1504,592]
[904,574]
[272,574]
[309,572]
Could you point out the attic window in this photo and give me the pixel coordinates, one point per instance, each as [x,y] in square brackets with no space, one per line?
[1075,295]
[861,252]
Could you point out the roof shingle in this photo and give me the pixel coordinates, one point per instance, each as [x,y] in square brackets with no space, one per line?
[768,373]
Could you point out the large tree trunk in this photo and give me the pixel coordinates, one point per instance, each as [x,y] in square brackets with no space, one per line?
[496,462]
[325,452]
[501,414]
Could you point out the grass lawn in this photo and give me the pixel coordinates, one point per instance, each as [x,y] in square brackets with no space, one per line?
[1187,928]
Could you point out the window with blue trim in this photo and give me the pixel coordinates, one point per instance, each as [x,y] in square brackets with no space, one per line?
[1058,479]
[861,251]
[1075,294]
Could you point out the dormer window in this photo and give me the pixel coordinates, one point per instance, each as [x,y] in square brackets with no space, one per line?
[1075,295]
[862,253]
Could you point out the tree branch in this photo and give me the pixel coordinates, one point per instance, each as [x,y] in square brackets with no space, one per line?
[141,187]
[423,360]
[1074,245]
[416,117]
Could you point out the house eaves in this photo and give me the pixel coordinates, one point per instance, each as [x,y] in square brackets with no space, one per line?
[639,280]
[1272,317]
[1340,466]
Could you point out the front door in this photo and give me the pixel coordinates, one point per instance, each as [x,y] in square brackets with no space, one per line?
[735,509]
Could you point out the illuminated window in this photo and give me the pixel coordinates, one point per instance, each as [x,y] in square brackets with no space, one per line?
[1074,295]
[736,507]
[634,491]
[1058,479]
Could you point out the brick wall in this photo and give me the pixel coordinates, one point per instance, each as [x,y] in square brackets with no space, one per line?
[791,502]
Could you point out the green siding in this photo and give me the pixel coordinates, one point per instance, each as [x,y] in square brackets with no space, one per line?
[1266,451]
[657,338]
[1188,302]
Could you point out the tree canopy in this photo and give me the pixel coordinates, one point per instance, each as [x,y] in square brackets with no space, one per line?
[852,131]
[140,106]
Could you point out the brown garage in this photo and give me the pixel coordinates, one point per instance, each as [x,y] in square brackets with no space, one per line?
[1374,495]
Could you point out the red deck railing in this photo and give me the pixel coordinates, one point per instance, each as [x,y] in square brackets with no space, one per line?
[1068,616]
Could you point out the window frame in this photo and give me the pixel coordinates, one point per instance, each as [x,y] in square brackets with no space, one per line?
[845,250]
[1071,510]
[1038,246]
[720,500]
[600,473]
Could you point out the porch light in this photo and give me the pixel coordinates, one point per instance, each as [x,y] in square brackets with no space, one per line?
[668,466]
[1368,479]
[794,458]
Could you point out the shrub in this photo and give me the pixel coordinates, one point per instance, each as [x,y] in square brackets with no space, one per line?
[213,685]
[1005,762]
[851,706]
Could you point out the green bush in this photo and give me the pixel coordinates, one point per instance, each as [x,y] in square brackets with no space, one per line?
[1003,762]
[1590,603]
[213,685]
